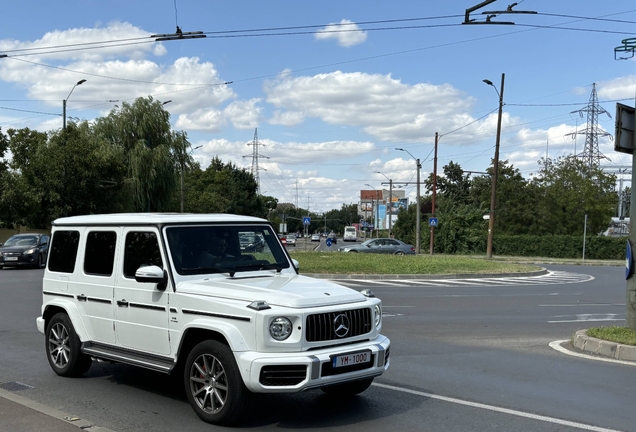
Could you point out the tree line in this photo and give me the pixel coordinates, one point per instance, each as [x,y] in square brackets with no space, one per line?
[128,161]
[563,196]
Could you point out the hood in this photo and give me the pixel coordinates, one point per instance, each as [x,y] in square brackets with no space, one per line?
[20,248]
[286,290]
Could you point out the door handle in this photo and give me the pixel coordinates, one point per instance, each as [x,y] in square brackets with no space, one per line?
[81,297]
[122,303]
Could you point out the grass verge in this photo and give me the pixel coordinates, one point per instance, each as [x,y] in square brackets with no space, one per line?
[350,263]
[622,335]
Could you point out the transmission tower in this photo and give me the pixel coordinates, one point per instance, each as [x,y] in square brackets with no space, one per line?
[255,156]
[591,153]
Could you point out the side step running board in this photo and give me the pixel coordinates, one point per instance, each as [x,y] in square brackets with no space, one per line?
[122,355]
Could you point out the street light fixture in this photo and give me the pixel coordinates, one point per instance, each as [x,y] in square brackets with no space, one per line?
[80,82]
[182,168]
[390,200]
[417,209]
[491,219]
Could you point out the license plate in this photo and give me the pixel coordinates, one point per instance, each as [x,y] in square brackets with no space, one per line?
[10,258]
[351,359]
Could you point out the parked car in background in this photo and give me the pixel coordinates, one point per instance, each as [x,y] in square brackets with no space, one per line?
[380,245]
[315,237]
[251,242]
[333,237]
[25,250]
[291,240]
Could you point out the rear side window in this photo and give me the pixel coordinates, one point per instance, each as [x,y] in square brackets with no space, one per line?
[142,249]
[63,251]
[100,253]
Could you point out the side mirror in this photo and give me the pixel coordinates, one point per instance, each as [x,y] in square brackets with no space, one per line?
[296,264]
[152,274]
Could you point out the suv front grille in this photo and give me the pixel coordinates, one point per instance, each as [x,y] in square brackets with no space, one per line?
[322,327]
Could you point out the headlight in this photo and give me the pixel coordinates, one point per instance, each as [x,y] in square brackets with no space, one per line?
[378,315]
[280,328]
[29,252]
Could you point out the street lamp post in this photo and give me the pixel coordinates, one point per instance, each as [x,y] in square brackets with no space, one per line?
[491,220]
[80,82]
[182,169]
[417,209]
[390,201]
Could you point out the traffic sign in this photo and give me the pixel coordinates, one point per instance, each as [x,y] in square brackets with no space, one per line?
[432,222]
[306,220]
[328,241]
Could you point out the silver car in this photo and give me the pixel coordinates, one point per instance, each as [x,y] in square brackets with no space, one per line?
[380,245]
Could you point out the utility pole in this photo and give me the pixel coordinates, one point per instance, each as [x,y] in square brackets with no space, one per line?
[432,236]
[255,156]
[495,169]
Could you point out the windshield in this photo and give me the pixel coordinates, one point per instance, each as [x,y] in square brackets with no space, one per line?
[205,249]
[22,241]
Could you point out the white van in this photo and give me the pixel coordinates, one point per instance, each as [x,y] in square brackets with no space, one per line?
[350,234]
[178,294]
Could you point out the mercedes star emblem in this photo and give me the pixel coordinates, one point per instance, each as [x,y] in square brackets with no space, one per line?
[341,325]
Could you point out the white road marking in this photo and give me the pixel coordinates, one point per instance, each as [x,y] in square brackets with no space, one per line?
[582,304]
[498,409]
[556,345]
[553,277]
[586,318]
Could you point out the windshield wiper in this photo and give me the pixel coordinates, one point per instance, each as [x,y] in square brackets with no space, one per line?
[260,266]
[209,270]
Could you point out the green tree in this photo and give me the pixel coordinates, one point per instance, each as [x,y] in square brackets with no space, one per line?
[141,130]
[61,173]
[569,189]
[224,188]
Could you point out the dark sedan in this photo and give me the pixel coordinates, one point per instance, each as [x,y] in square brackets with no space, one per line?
[25,250]
[380,245]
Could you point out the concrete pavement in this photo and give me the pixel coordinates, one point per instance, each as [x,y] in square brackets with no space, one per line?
[19,414]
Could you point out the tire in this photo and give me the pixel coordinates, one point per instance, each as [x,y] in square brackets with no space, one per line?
[38,263]
[399,253]
[348,389]
[214,385]
[63,348]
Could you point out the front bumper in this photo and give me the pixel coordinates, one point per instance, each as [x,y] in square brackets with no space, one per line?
[22,260]
[294,372]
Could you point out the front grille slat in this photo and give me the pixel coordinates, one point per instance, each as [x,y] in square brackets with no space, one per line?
[320,327]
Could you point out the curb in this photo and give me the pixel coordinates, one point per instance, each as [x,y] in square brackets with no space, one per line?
[66,421]
[603,348]
[541,272]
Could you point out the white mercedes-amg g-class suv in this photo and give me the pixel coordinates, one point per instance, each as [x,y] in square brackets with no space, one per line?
[176,293]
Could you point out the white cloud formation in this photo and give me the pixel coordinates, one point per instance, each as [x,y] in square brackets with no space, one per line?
[384,107]
[346,32]
[287,118]
[243,114]
[618,88]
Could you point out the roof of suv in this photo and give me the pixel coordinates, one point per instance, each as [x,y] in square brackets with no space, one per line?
[154,219]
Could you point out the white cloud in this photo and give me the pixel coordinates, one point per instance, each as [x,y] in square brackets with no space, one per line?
[286,118]
[346,32]
[384,107]
[243,114]
[618,88]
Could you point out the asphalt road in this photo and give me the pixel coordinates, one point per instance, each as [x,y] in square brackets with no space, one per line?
[463,358]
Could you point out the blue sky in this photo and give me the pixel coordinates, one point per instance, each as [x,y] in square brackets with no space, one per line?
[330,106]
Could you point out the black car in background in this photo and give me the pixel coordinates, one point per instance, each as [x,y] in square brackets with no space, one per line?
[21,250]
